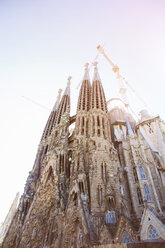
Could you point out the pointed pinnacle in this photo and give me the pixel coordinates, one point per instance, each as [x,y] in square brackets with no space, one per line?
[59,93]
[96,74]
[86,74]
[95,65]
[86,66]
[69,79]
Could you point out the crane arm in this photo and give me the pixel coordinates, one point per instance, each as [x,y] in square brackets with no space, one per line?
[116,70]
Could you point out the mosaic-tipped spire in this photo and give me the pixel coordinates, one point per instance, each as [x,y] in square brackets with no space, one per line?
[86,74]
[84,95]
[51,120]
[96,74]
[58,100]
[98,100]
[67,90]
[64,105]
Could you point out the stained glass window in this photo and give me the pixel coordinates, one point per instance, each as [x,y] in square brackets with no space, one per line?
[142,173]
[152,210]
[110,217]
[147,192]
[152,233]
[126,238]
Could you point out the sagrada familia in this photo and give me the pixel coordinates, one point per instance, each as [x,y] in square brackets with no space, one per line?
[101,183]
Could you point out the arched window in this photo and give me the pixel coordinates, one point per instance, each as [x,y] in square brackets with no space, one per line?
[139,196]
[93,119]
[61,163]
[102,172]
[147,192]
[152,233]
[121,189]
[70,155]
[98,121]
[111,202]
[142,173]
[82,127]
[68,165]
[126,238]
[81,186]
[87,127]
[103,127]
[100,195]
[110,217]
[46,149]
[74,198]
[135,174]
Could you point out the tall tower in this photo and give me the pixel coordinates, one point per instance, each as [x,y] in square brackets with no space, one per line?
[104,183]
[64,106]
[98,110]
[51,120]
[59,144]
[44,143]
[104,164]
[83,106]
[82,136]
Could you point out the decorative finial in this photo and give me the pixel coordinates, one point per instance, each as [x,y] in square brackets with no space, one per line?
[86,66]
[96,76]
[95,65]
[69,79]
[86,74]
[59,93]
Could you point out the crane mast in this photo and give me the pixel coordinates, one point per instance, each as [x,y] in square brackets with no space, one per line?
[123,81]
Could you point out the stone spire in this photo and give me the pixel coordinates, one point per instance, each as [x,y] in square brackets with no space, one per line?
[96,74]
[83,105]
[58,100]
[67,90]
[99,123]
[64,105]
[98,100]
[86,74]
[51,120]
[84,95]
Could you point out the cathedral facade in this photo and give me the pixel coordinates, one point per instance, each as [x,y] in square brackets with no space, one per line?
[101,183]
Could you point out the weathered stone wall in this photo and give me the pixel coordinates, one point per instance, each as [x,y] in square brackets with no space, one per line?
[82,190]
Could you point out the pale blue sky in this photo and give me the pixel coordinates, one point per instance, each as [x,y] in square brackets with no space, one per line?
[42,42]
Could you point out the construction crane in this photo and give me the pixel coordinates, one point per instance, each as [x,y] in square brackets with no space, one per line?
[34,102]
[123,89]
